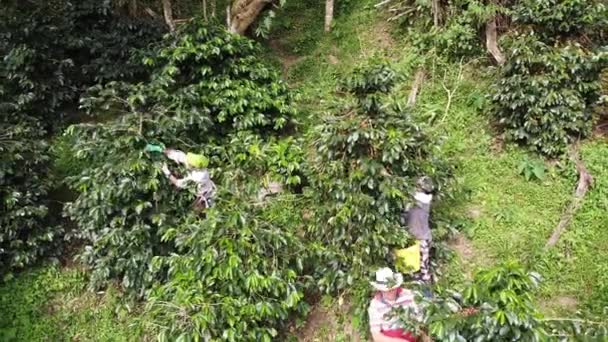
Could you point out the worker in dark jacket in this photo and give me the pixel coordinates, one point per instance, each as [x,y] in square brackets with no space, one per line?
[417,220]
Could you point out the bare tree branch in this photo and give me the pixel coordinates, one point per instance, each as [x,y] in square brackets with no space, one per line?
[151,13]
[436,9]
[451,92]
[133,8]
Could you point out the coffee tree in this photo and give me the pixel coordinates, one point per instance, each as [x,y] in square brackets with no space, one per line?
[545,96]
[368,155]
[208,93]
[26,230]
[237,275]
[54,50]
[496,306]
[557,20]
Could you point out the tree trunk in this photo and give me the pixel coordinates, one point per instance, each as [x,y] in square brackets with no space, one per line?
[243,13]
[168,12]
[491,42]
[205,9]
[213,5]
[436,9]
[133,8]
[418,80]
[329,14]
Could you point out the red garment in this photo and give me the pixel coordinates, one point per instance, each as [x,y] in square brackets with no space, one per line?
[399,333]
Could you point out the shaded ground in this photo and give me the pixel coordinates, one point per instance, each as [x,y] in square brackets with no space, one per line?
[329,323]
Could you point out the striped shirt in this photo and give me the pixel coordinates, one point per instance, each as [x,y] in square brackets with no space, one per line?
[379,310]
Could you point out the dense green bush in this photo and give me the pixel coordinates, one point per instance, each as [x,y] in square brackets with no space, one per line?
[545,95]
[54,50]
[208,93]
[497,306]
[26,230]
[368,156]
[559,19]
[237,275]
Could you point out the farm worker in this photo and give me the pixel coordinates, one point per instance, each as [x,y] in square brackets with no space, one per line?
[197,174]
[389,295]
[417,220]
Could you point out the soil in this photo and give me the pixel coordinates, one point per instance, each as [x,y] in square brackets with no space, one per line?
[324,325]
[287,60]
[463,248]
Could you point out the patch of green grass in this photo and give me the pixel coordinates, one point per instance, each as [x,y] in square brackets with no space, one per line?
[49,304]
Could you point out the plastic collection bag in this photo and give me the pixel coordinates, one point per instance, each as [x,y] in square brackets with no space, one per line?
[407,260]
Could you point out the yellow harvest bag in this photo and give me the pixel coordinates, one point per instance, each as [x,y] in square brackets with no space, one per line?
[408,259]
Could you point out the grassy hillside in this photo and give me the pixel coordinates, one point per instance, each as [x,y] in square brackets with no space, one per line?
[496,213]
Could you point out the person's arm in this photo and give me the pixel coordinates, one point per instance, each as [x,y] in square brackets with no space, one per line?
[180,183]
[175,155]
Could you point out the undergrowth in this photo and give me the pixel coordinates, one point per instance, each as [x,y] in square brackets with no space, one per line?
[51,304]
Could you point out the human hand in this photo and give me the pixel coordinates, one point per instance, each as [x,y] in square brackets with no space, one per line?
[165,170]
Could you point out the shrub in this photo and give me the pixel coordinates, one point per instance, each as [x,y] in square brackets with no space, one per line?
[545,96]
[208,93]
[26,230]
[368,155]
[497,306]
[54,50]
[559,19]
[237,275]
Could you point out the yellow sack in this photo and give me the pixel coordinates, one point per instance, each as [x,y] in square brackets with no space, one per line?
[408,259]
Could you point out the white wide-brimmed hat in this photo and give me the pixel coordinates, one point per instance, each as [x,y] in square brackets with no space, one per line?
[387,280]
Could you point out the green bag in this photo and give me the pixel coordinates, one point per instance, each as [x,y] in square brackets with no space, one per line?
[154,148]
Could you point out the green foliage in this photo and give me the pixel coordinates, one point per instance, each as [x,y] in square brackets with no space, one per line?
[208,93]
[54,50]
[558,19]
[368,155]
[545,96]
[237,274]
[458,39]
[26,231]
[52,305]
[497,306]
[532,169]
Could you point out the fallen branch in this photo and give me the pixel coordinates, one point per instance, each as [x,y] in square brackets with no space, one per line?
[491,42]
[584,182]
[418,80]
